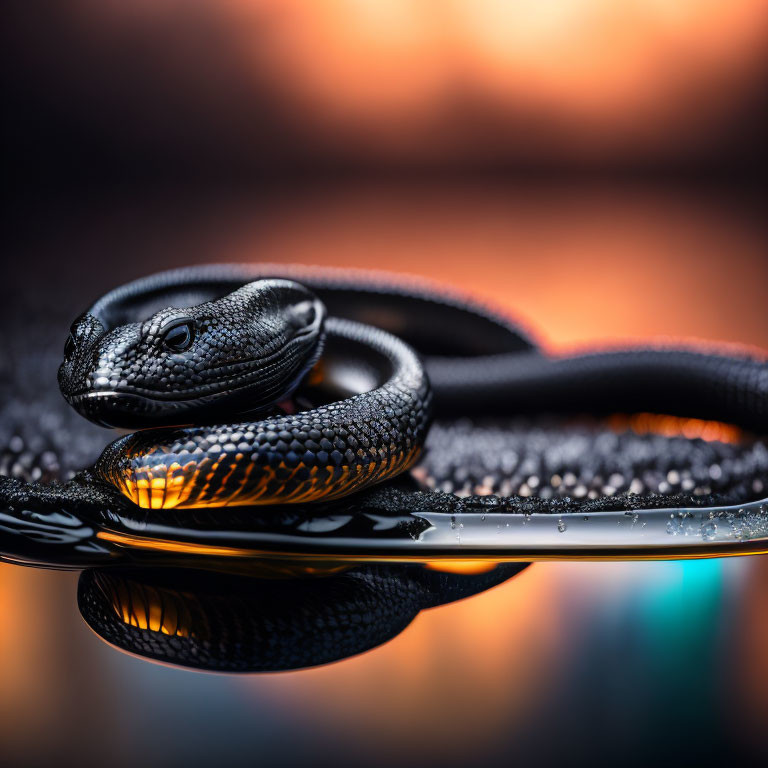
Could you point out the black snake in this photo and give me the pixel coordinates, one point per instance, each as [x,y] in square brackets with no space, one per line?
[190,345]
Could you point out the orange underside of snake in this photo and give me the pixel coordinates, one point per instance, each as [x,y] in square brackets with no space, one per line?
[165,486]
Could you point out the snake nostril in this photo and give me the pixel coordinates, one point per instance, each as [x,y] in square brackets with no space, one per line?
[303,315]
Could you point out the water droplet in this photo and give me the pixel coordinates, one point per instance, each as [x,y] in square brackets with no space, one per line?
[709,531]
[561,526]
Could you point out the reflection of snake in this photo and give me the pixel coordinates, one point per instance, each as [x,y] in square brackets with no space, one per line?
[238,624]
[252,347]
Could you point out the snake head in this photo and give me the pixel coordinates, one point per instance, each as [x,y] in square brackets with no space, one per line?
[241,353]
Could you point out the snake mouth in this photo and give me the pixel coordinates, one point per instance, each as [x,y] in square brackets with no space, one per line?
[106,407]
[126,409]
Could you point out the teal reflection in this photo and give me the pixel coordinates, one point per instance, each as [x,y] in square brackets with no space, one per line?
[682,601]
[682,618]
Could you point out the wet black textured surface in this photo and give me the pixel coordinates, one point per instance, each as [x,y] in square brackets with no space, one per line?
[589,464]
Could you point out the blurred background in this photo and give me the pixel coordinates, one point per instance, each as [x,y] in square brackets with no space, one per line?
[184,88]
[595,168]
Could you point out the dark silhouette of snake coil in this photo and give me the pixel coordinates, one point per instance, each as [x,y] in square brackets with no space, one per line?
[229,623]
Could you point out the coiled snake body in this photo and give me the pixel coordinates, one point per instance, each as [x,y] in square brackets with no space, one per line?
[188,346]
[250,349]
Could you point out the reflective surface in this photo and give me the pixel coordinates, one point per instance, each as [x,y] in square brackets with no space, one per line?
[489,533]
[607,657]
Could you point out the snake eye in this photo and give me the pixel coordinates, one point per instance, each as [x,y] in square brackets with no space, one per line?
[179,337]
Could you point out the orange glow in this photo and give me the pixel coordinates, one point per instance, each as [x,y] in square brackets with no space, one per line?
[453,565]
[159,486]
[578,266]
[607,56]
[146,607]
[461,566]
[675,426]
[27,648]
[752,668]
[491,653]
[166,545]
[612,73]
[573,79]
